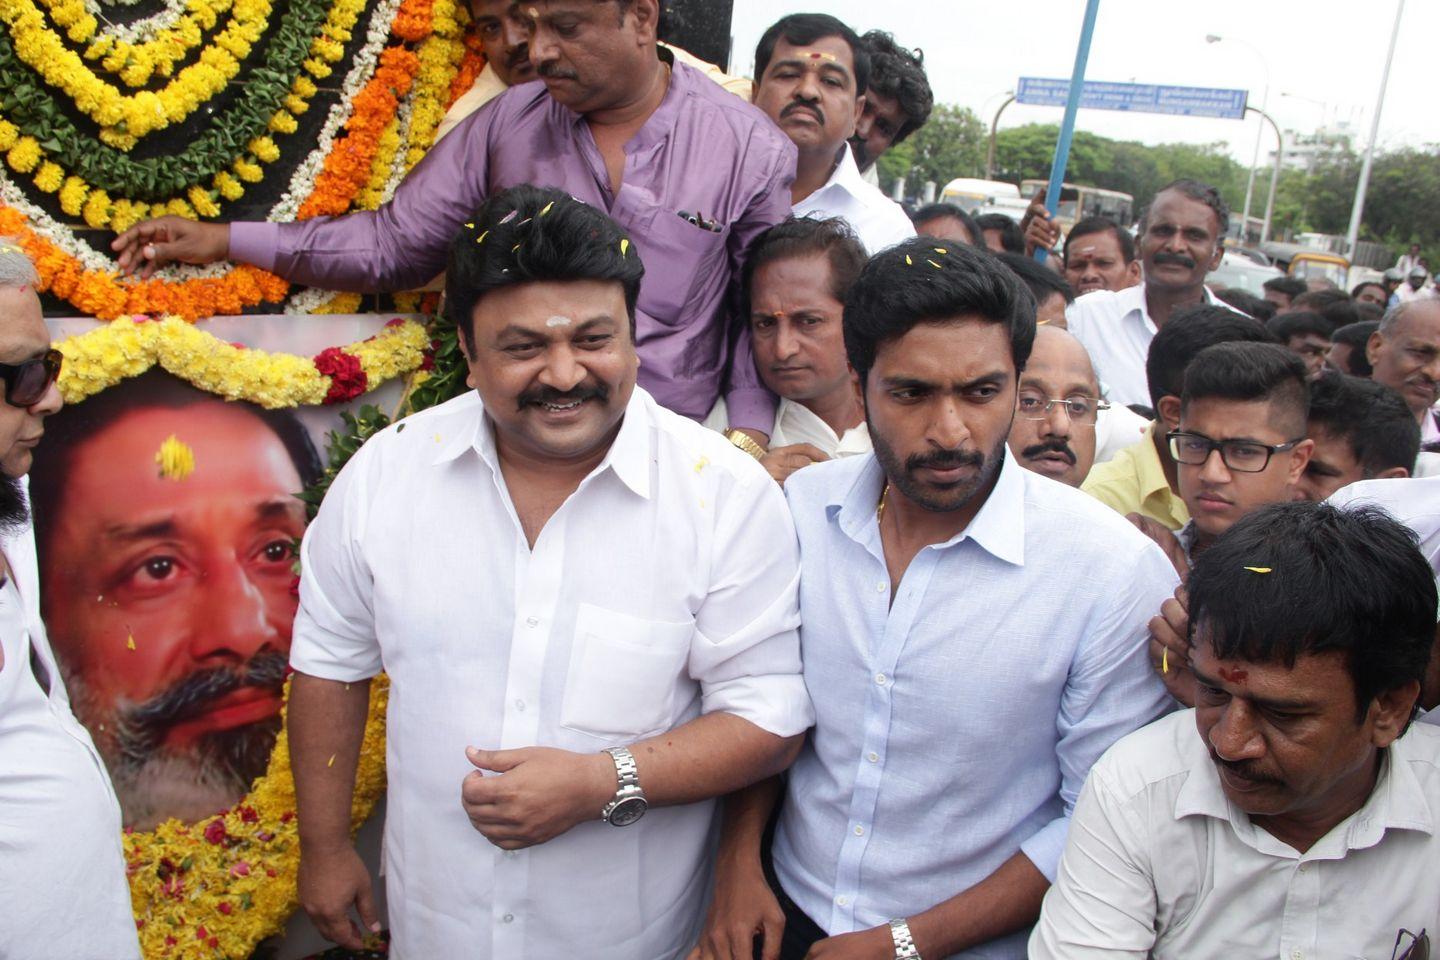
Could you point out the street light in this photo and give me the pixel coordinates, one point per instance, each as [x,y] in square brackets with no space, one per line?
[1259,132]
[1352,236]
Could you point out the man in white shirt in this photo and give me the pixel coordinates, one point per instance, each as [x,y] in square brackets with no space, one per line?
[586,606]
[1286,816]
[811,75]
[1405,355]
[796,280]
[62,869]
[973,640]
[1181,240]
[1058,409]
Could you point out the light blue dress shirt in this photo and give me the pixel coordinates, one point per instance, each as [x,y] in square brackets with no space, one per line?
[957,726]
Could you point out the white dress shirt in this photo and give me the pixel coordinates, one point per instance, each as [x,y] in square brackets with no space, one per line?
[62,868]
[1117,428]
[955,728]
[877,220]
[663,588]
[797,423]
[1116,329]
[1161,864]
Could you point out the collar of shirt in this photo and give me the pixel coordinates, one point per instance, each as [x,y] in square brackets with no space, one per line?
[998,527]
[661,123]
[1132,299]
[797,423]
[1150,473]
[846,176]
[1397,803]
[629,455]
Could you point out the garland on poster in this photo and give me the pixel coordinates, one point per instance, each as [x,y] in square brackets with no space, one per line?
[85,103]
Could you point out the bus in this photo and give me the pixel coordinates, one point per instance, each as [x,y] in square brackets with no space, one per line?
[970,194]
[1078,202]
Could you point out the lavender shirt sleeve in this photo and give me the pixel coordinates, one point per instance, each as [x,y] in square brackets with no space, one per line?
[749,403]
[400,246]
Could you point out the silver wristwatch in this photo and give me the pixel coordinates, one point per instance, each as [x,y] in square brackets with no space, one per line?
[904,943]
[629,803]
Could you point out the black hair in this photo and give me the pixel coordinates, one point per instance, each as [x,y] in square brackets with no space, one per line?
[1348,581]
[1011,239]
[914,283]
[531,235]
[1251,372]
[1334,305]
[1371,417]
[1042,281]
[939,211]
[1246,302]
[155,389]
[1298,323]
[1356,336]
[1355,291]
[1093,225]
[803,29]
[1188,331]
[900,74]
[1291,287]
[1200,193]
[809,237]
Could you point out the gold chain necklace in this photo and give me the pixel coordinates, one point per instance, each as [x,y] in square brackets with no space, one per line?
[884,497]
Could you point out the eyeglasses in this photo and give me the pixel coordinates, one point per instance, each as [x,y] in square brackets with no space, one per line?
[1411,946]
[27,383]
[1243,456]
[1083,410]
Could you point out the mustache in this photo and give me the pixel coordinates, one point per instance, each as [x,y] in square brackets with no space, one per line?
[1245,770]
[811,108]
[543,395]
[553,71]
[141,729]
[1050,446]
[944,460]
[518,56]
[1179,259]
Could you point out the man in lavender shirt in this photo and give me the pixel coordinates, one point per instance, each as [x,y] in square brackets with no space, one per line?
[691,172]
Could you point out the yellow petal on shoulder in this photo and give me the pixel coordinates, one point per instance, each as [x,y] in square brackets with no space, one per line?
[1260,570]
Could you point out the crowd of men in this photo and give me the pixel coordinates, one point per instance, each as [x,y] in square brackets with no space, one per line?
[801,580]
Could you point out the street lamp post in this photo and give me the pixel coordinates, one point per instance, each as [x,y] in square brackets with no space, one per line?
[1352,236]
[1259,132]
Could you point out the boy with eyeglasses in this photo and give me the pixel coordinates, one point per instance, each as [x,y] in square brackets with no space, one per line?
[1241,443]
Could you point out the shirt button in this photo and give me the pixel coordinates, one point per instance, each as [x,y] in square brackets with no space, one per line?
[1296,955]
[873,757]
[842,900]
[859,830]
[508,918]
[880,678]
[532,621]
[520,705]
[881,587]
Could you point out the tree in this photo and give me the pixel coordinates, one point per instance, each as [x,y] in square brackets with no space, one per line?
[951,145]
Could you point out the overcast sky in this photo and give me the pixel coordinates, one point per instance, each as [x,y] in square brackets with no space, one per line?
[1329,52]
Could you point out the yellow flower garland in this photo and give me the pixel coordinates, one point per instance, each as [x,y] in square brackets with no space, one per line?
[125,348]
[219,887]
[134,63]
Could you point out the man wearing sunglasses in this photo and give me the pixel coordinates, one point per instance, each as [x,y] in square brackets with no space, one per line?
[62,872]
[1241,443]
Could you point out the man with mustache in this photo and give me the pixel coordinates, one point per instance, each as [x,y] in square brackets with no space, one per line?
[1181,240]
[973,639]
[1405,356]
[1293,812]
[62,869]
[694,173]
[171,605]
[811,77]
[1058,409]
[586,605]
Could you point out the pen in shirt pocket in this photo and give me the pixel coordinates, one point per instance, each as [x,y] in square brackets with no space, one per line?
[698,220]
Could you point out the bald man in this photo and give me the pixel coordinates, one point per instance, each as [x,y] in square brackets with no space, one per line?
[1059,401]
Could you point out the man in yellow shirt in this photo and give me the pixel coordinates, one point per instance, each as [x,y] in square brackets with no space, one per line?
[1141,478]
[503,27]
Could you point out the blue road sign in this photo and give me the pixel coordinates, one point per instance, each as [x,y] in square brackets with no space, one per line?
[1135,97]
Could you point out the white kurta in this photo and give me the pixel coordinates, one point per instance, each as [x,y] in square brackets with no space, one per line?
[665,587]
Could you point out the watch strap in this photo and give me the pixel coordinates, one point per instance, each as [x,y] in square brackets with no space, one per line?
[904,942]
[626,772]
[745,442]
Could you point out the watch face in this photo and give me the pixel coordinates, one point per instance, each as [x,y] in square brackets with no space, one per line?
[627,811]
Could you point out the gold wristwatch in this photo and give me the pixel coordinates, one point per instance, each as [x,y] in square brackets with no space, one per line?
[744,442]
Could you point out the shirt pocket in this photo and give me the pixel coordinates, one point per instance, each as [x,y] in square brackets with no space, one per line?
[681,262]
[625,674]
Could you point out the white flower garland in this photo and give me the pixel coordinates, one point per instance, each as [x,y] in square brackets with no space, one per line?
[138,31]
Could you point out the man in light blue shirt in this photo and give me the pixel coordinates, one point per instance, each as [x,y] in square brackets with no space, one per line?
[973,637]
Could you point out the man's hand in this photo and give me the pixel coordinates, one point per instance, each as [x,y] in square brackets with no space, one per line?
[330,883]
[783,461]
[154,243]
[1041,232]
[756,435]
[742,908]
[877,943]
[1165,539]
[1169,651]
[540,793]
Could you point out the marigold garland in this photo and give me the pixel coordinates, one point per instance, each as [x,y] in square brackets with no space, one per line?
[215,889]
[103,357]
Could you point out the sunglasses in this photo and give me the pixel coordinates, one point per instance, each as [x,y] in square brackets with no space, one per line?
[27,383]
